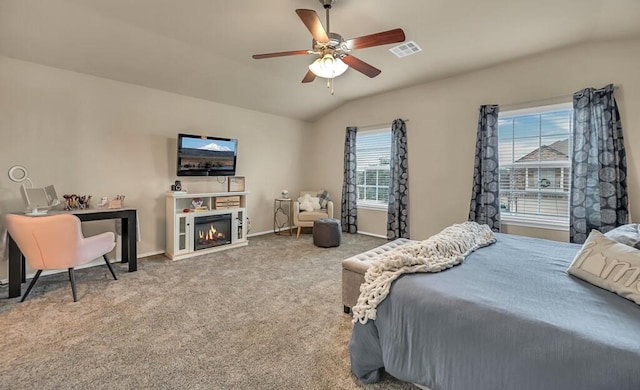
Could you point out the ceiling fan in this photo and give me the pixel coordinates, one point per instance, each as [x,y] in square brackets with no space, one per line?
[332,51]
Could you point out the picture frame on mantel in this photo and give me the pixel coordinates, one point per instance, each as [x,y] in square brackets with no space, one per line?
[236,184]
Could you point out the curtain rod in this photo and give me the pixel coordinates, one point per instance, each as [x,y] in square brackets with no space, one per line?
[379,125]
[545,99]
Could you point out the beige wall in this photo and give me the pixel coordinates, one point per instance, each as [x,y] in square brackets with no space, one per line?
[442,127]
[89,135]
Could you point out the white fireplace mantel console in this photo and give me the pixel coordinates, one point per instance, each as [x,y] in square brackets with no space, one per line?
[183,238]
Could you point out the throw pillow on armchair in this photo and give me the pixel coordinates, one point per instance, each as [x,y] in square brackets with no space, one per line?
[324,198]
[309,203]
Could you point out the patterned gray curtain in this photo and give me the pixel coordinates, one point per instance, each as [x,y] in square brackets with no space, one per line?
[599,165]
[485,198]
[398,211]
[349,214]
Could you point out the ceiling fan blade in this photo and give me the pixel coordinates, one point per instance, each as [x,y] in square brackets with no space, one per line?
[309,77]
[312,21]
[381,38]
[280,54]
[361,66]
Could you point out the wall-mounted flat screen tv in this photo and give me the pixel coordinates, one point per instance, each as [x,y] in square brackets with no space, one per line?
[206,156]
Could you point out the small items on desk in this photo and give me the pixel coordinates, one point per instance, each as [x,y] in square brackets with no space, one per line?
[36,211]
[103,201]
[116,203]
[76,202]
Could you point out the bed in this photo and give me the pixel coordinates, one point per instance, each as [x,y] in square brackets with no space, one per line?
[509,317]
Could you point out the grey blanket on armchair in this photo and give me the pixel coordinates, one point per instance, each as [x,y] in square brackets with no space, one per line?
[510,317]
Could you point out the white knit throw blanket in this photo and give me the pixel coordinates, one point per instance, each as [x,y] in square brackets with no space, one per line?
[436,253]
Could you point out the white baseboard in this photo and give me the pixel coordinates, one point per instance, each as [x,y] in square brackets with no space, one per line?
[294,228]
[371,234]
[271,232]
[153,253]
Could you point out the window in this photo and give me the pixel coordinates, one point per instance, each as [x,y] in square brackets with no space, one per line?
[535,165]
[373,155]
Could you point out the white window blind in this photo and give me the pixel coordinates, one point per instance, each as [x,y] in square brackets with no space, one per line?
[373,155]
[535,164]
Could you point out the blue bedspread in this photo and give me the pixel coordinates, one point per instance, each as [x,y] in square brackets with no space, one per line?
[509,317]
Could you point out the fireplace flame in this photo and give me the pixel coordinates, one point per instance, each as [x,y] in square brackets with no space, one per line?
[210,235]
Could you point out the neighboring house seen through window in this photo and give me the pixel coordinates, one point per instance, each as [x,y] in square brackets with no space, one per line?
[373,155]
[535,165]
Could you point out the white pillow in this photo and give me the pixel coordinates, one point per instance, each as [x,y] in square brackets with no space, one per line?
[305,203]
[315,202]
[608,264]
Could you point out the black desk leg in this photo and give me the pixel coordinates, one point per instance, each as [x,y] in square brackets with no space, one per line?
[23,268]
[16,273]
[130,241]
[125,239]
[133,242]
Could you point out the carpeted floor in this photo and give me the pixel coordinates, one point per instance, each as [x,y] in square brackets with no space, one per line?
[265,316]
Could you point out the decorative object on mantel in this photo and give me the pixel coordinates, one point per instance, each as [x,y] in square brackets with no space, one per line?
[76,202]
[236,184]
[227,202]
[197,205]
[177,186]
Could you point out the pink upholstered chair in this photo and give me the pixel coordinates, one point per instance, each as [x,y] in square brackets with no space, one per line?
[56,242]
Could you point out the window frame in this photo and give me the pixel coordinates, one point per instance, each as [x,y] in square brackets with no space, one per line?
[532,220]
[368,203]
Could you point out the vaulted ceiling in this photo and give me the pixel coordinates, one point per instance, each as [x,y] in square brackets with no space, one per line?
[203,48]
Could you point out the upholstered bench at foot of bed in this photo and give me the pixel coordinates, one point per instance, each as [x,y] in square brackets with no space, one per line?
[354,268]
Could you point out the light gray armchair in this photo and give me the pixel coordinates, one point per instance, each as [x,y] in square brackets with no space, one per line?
[303,218]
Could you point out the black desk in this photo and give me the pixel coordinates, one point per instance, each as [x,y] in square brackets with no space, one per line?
[129,242]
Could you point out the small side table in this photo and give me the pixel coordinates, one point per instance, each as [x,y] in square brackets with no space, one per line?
[282,215]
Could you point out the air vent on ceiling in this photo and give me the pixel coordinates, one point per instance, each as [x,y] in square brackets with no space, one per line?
[405,49]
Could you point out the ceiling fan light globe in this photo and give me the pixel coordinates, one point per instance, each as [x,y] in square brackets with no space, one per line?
[328,68]
[327,61]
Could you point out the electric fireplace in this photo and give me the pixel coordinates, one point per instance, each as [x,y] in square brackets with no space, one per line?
[212,230]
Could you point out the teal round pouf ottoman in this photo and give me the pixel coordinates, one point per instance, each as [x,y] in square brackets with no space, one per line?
[327,232]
